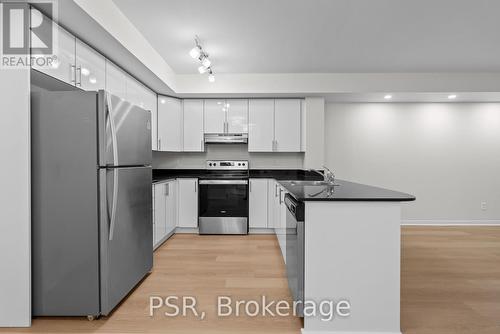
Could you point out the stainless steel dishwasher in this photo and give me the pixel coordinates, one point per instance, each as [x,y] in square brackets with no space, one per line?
[295,250]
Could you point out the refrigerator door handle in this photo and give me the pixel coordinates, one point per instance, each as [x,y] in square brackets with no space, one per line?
[113,129]
[113,204]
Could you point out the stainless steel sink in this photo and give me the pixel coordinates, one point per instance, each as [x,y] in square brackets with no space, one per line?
[312,183]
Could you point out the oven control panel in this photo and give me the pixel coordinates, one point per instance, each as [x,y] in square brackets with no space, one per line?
[227,164]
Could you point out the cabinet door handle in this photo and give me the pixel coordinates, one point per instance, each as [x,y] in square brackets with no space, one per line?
[250,186]
[79,71]
[72,70]
[275,145]
[196,186]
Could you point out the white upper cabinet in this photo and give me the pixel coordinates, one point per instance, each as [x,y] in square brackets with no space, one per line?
[169,124]
[115,80]
[287,128]
[260,125]
[258,202]
[64,67]
[134,91]
[193,126]
[274,125]
[237,116]
[90,68]
[226,116]
[215,116]
[151,101]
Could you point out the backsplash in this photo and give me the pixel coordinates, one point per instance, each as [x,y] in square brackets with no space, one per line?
[186,160]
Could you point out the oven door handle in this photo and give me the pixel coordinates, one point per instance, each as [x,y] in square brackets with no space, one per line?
[223,182]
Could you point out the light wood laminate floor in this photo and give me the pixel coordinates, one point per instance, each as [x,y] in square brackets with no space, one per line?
[450,284]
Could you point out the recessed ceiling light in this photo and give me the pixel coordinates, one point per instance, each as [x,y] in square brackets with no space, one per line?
[211,78]
[388,97]
[452,96]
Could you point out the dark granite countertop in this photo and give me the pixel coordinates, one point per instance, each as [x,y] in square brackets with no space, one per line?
[278,174]
[168,174]
[286,174]
[343,191]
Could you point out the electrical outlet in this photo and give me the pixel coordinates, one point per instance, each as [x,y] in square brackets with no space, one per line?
[484,206]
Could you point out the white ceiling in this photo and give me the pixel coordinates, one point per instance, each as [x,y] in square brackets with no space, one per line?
[323,36]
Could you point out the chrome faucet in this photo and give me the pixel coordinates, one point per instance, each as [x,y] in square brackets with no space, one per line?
[328,175]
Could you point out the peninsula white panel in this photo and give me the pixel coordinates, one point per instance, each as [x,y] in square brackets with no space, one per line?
[352,253]
[15,193]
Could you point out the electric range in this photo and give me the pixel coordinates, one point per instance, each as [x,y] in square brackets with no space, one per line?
[223,197]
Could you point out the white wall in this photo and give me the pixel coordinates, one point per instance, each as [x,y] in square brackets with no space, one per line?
[447,154]
[15,225]
[168,160]
[314,157]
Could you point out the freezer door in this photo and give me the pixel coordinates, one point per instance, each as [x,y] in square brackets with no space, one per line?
[126,227]
[124,132]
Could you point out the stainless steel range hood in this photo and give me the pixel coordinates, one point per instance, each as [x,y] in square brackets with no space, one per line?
[226,138]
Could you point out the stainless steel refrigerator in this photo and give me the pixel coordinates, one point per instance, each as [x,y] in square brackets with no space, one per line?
[91,201]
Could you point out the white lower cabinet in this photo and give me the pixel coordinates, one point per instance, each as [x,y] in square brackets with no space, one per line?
[271,196]
[258,203]
[279,215]
[159,212]
[188,203]
[164,210]
[171,207]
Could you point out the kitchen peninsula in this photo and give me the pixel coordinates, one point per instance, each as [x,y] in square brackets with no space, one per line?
[351,250]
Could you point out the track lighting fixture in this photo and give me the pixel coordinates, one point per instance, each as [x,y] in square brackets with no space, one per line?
[205,64]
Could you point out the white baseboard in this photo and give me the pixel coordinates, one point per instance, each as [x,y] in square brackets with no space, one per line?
[261,231]
[165,238]
[447,222]
[188,230]
[304,331]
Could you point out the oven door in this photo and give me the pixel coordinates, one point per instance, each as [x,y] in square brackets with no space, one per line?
[223,207]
